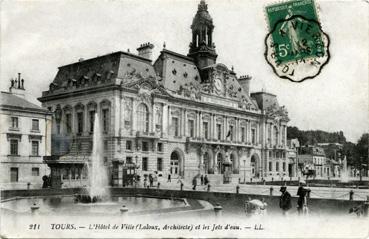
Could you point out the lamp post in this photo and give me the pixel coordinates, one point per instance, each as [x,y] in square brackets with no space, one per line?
[244,171]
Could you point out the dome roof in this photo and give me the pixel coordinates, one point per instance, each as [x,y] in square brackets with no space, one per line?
[202,16]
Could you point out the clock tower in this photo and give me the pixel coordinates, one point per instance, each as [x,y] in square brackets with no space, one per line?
[202,48]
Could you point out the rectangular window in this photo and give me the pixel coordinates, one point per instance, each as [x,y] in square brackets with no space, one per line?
[277,166]
[205,130]
[219,131]
[35,148]
[145,146]
[35,124]
[13,174]
[129,160]
[243,134]
[79,122]
[65,173]
[284,166]
[35,172]
[175,123]
[191,128]
[105,118]
[68,123]
[106,145]
[14,122]
[231,130]
[13,147]
[144,164]
[160,164]
[92,120]
[128,145]
[253,136]
[160,147]
[270,166]
[270,154]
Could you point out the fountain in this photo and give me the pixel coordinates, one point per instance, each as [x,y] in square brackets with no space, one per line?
[344,174]
[97,171]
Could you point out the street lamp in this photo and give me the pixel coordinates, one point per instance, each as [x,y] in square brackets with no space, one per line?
[244,171]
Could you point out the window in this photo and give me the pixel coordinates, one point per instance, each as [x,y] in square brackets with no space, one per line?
[13,174]
[275,135]
[231,130]
[68,123]
[58,128]
[79,122]
[243,134]
[13,147]
[128,145]
[219,131]
[145,146]
[191,128]
[160,147]
[143,118]
[92,120]
[175,123]
[205,130]
[106,145]
[35,148]
[270,166]
[270,154]
[144,164]
[65,173]
[160,164]
[105,119]
[129,160]
[14,122]
[284,167]
[35,125]
[35,172]
[253,136]
[277,166]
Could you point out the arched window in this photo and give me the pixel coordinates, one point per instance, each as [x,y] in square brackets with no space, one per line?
[143,118]
[174,164]
[275,135]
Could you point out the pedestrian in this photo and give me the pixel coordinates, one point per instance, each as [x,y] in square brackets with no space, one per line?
[285,200]
[145,182]
[206,180]
[202,179]
[151,179]
[169,178]
[194,183]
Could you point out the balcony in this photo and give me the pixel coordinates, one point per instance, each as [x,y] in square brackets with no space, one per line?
[147,135]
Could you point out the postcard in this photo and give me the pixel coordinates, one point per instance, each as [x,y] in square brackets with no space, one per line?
[184,118]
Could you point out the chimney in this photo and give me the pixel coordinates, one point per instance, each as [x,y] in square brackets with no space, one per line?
[145,50]
[17,86]
[245,83]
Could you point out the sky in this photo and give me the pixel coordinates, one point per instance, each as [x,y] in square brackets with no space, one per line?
[39,36]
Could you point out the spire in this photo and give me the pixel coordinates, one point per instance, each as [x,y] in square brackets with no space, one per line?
[202,48]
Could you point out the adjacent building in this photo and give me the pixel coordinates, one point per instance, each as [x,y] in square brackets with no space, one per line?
[184,115]
[25,137]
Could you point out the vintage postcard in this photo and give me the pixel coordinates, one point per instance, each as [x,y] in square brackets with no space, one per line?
[184,118]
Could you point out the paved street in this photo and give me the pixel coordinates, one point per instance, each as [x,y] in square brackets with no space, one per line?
[316,192]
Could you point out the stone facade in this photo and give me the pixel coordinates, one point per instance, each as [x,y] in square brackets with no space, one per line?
[181,115]
[25,137]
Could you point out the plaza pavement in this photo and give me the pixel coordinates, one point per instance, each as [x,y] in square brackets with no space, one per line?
[316,192]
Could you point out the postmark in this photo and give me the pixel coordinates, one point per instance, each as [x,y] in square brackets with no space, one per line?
[296,46]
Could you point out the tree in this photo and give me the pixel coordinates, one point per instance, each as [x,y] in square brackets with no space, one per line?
[361,153]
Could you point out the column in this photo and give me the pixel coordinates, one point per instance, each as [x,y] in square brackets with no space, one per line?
[200,124]
[237,138]
[184,122]
[168,121]
[134,119]
[225,128]
[164,118]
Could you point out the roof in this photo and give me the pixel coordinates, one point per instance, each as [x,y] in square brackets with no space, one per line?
[14,102]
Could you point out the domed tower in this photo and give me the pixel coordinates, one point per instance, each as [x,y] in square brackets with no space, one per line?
[202,48]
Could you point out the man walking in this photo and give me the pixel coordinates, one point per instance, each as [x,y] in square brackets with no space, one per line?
[285,200]
[202,179]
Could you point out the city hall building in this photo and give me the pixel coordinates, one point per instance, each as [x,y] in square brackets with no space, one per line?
[184,115]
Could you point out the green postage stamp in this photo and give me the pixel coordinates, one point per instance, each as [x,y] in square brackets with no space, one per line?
[296,46]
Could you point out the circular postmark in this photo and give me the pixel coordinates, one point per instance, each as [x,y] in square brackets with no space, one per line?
[296,48]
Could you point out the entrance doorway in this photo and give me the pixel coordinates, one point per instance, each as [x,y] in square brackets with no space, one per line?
[174,164]
[254,166]
[220,163]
